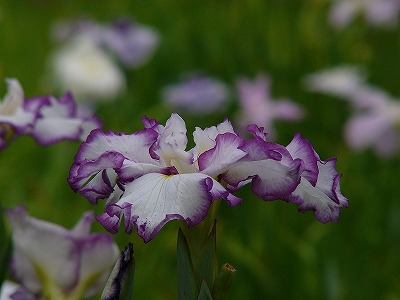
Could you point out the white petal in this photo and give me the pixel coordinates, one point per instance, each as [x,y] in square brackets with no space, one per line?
[154,199]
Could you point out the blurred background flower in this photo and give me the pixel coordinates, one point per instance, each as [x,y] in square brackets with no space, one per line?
[51,262]
[131,43]
[197,94]
[257,106]
[87,71]
[375,12]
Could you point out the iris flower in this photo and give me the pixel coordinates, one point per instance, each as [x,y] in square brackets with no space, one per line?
[149,178]
[60,119]
[47,119]
[52,262]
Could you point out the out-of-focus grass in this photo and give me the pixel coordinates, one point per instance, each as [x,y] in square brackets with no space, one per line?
[279,253]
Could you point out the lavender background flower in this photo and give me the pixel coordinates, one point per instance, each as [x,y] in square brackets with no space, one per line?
[258,107]
[197,94]
[376,126]
[131,43]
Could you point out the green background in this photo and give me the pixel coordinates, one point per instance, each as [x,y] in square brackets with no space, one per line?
[278,252]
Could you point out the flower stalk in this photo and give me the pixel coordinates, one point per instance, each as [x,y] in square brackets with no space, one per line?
[198,275]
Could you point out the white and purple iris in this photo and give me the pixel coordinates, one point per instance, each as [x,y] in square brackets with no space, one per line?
[51,262]
[149,178]
[47,119]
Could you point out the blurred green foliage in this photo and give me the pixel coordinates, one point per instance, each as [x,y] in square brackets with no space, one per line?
[278,253]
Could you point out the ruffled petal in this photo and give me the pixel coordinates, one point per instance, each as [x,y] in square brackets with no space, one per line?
[95,179]
[152,200]
[301,148]
[134,146]
[325,198]
[225,153]
[270,168]
[171,144]
[205,139]
[53,130]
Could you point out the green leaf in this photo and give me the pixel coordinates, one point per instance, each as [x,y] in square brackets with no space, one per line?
[5,249]
[187,283]
[207,263]
[224,281]
[205,293]
[120,283]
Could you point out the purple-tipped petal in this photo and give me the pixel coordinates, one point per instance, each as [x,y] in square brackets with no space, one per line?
[325,198]
[273,172]
[301,148]
[133,146]
[95,179]
[225,153]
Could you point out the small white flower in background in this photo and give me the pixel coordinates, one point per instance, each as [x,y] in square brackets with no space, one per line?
[341,81]
[87,71]
[375,12]
[196,94]
[52,262]
[258,107]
